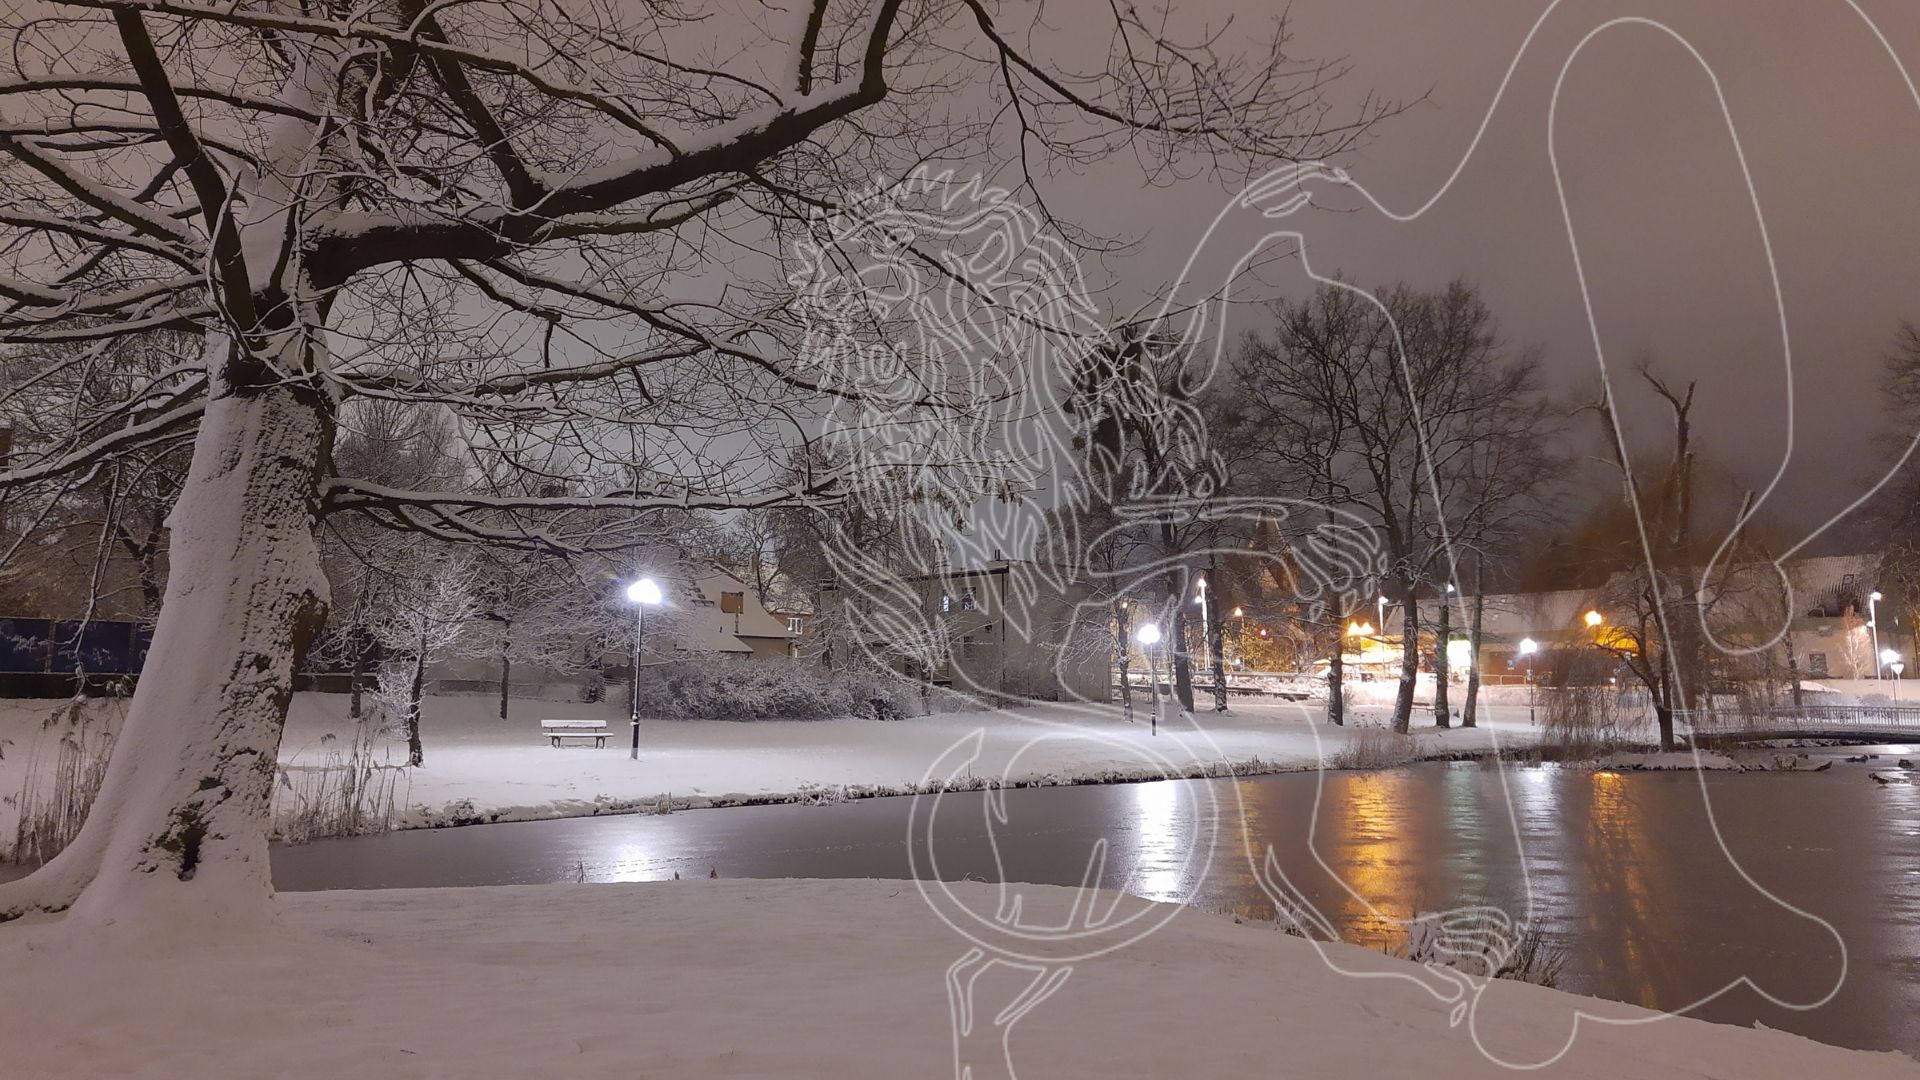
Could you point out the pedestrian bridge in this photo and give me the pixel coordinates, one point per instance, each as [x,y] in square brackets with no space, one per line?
[1885,722]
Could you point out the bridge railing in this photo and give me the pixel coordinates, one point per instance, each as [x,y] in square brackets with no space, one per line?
[1871,716]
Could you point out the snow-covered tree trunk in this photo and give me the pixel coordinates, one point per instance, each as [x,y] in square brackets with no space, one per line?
[506,665]
[1409,662]
[416,689]
[179,829]
[1468,708]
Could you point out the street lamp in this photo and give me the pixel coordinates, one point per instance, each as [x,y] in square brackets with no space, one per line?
[1890,659]
[1594,618]
[1206,644]
[1528,647]
[1382,605]
[640,594]
[1873,624]
[1148,635]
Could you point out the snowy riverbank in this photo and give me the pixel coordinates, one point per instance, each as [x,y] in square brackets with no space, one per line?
[479,768]
[790,978]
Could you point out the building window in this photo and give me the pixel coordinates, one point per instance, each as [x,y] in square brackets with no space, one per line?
[1817,663]
[793,624]
[967,602]
[946,603]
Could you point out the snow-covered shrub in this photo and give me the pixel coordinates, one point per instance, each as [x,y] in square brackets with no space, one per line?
[1482,942]
[594,688]
[736,689]
[350,794]
[1371,747]
[52,804]
[1586,721]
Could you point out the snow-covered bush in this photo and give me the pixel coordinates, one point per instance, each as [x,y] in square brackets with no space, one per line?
[52,804]
[734,689]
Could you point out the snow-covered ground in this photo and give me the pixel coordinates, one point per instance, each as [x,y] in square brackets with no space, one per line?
[791,979]
[478,767]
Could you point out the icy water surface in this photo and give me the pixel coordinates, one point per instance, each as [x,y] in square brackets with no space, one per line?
[1624,869]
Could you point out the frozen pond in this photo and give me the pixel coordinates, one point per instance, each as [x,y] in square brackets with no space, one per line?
[1624,869]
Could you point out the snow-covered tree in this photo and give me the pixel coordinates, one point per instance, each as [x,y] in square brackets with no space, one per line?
[424,613]
[558,223]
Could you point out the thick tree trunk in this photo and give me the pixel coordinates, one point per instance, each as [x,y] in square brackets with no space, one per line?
[1793,672]
[1336,685]
[506,666]
[1122,635]
[1468,707]
[1409,664]
[178,834]
[416,754]
[355,679]
[1442,631]
[1217,645]
[1182,656]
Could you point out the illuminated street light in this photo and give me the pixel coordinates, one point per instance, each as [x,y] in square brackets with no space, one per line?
[1873,623]
[1594,618]
[1148,635]
[642,594]
[1528,647]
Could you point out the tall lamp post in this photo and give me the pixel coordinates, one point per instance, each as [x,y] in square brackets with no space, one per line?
[1528,647]
[1873,624]
[1148,635]
[1206,643]
[1891,660]
[640,594]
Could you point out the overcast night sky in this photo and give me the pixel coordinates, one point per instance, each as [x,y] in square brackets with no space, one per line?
[1673,252]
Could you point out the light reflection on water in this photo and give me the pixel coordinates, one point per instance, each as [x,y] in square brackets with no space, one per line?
[1622,870]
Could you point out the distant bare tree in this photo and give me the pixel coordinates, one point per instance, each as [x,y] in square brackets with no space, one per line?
[1408,413]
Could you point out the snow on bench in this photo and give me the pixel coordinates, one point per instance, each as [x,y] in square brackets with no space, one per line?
[555,730]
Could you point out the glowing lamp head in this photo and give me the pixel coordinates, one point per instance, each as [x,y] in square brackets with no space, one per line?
[1147,633]
[644,591]
[1594,618]
[1875,596]
[1528,646]
[1889,656]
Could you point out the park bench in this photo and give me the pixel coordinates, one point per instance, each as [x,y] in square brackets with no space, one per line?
[555,730]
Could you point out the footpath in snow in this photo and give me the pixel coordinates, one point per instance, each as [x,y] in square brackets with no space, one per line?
[791,979]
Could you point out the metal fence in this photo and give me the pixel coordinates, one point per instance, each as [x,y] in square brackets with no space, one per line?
[1868,716]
